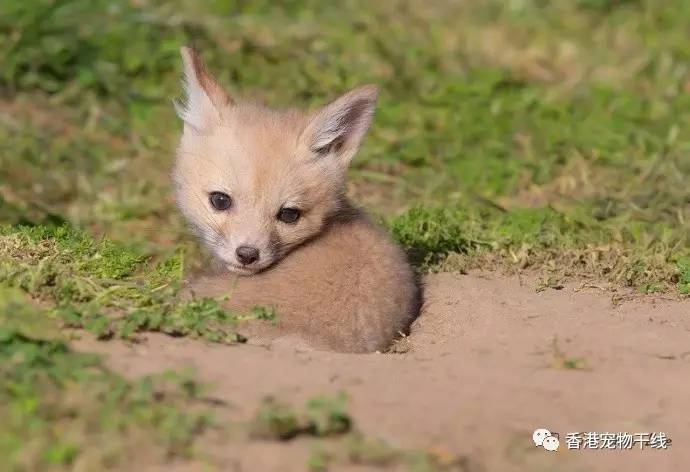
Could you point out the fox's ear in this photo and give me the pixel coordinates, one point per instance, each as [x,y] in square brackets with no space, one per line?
[338,128]
[204,96]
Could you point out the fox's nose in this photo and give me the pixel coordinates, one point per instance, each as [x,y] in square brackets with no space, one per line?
[247,254]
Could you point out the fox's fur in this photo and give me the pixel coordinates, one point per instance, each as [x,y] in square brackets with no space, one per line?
[335,279]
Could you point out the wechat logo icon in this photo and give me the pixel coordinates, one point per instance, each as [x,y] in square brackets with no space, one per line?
[542,437]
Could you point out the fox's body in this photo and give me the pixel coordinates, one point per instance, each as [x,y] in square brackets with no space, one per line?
[265,190]
[349,289]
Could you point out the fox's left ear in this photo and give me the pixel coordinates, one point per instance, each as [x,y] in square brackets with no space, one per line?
[205,97]
[338,128]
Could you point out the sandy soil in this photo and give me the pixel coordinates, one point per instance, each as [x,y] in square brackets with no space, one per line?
[488,363]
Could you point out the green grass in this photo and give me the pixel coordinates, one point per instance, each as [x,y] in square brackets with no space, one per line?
[577,106]
[325,418]
[538,135]
[106,288]
[64,409]
[560,244]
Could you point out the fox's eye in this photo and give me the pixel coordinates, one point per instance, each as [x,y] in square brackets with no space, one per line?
[289,215]
[220,201]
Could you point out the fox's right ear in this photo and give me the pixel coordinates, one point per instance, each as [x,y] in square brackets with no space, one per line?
[205,98]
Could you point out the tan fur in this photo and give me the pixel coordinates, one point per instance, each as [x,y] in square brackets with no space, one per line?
[351,290]
[334,278]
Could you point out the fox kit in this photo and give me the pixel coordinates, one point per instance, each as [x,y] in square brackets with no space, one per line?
[265,191]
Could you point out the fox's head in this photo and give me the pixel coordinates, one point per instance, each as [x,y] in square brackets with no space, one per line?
[254,182]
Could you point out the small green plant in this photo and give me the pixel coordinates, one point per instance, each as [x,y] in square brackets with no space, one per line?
[319,460]
[562,361]
[322,417]
[328,415]
[275,420]
[684,269]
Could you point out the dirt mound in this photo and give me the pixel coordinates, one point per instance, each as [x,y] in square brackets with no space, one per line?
[489,361]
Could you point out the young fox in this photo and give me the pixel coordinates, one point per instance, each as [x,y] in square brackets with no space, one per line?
[265,191]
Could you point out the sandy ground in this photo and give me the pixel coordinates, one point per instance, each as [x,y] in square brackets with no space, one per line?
[488,363]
